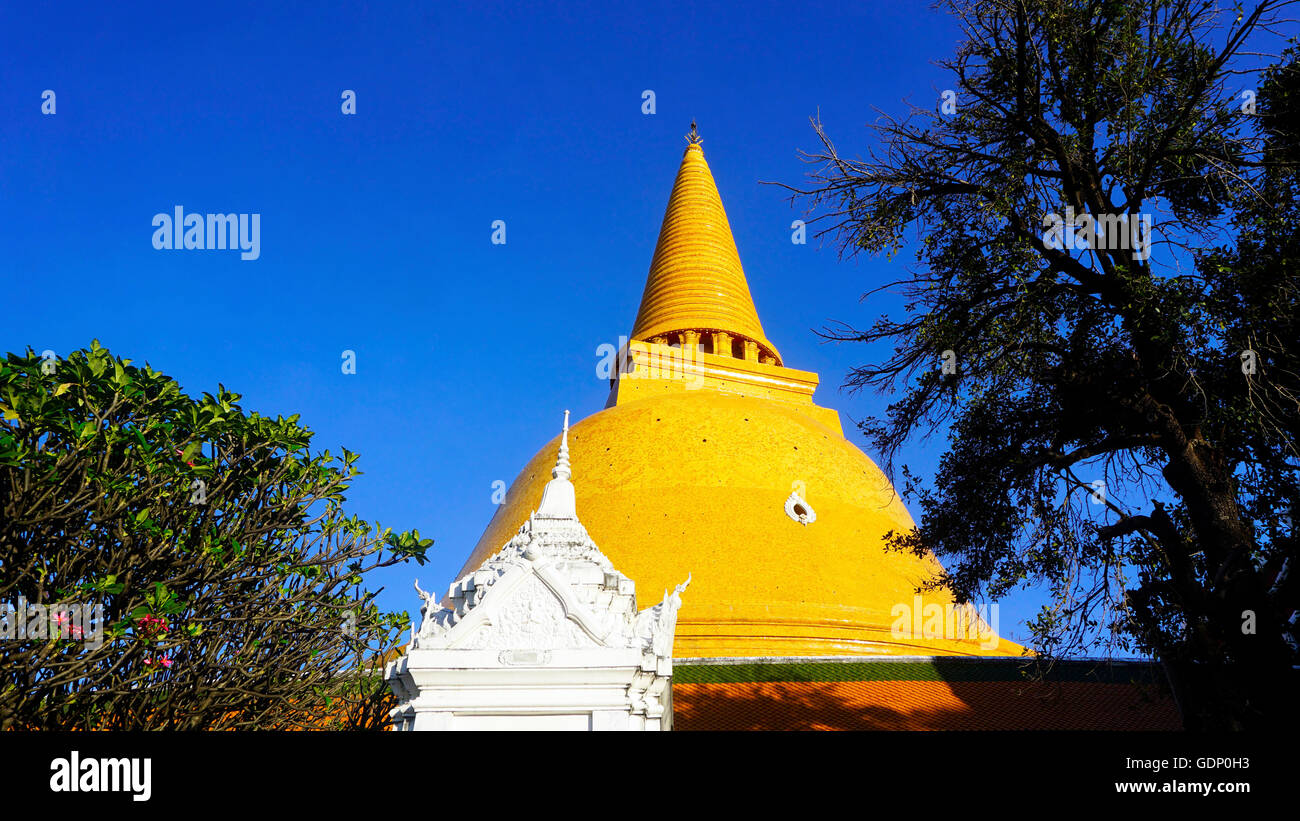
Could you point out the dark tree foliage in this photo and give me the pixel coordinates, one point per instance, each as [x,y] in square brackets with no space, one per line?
[229,576]
[1122,420]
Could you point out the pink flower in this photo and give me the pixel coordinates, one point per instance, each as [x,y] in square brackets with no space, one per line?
[152,625]
[62,620]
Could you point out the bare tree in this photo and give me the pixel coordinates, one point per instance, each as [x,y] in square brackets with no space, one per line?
[1121,404]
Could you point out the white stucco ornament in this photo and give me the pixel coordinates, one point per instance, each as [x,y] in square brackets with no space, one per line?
[545,634]
[799,510]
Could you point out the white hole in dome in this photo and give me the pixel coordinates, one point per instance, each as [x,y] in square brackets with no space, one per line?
[799,510]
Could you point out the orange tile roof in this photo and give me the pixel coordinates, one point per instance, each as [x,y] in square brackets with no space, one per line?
[922,695]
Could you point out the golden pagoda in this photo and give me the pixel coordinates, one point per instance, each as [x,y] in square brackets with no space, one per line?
[711,464]
[711,459]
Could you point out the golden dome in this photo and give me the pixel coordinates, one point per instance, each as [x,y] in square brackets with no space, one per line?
[697,482]
[716,463]
[696,281]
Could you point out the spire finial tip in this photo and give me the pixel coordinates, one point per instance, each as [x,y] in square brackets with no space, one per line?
[562,470]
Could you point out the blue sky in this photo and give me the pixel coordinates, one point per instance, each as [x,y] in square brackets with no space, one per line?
[375,228]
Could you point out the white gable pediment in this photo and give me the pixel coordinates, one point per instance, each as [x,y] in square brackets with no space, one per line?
[526,609]
[544,633]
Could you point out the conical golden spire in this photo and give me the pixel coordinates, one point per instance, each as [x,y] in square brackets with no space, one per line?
[696,282]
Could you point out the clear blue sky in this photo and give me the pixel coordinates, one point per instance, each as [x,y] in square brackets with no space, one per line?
[375,228]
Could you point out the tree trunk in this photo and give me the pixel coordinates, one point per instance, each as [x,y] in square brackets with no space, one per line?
[1239,682]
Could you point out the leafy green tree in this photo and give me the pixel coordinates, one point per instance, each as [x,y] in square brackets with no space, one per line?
[1121,405]
[215,542]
